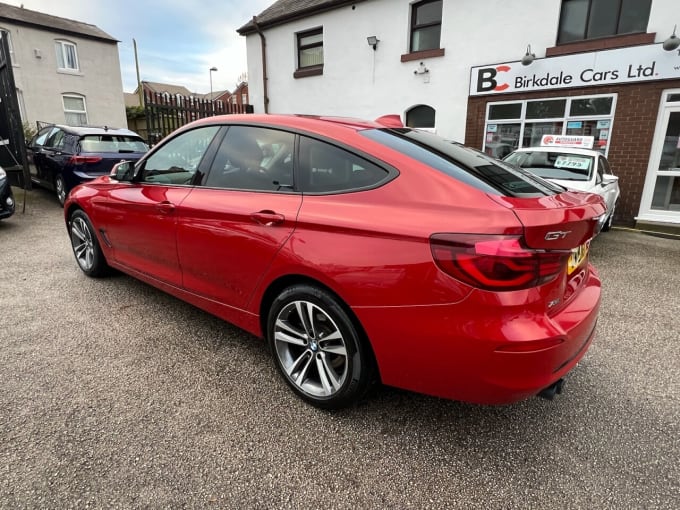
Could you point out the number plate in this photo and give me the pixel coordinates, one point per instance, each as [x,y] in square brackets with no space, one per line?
[578,255]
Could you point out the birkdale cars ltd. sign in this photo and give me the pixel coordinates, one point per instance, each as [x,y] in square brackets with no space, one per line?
[637,63]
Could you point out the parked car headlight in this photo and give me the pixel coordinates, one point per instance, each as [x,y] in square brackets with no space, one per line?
[3,174]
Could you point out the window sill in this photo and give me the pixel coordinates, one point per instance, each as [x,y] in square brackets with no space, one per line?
[419,55]
[304,72]
[70,71]
[604,43]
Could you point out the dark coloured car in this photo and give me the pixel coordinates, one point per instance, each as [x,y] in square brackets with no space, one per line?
[359,252]
[6,198]
[61,157]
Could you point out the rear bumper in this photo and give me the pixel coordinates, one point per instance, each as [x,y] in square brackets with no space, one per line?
[482,351]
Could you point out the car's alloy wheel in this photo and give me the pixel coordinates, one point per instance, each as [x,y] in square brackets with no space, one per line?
[60,188]
[608,222]
[86,246]
[317,348]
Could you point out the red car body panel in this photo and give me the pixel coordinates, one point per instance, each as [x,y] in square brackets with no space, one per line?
[222,250]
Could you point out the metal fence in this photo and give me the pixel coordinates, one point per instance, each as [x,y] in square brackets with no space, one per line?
[165,113]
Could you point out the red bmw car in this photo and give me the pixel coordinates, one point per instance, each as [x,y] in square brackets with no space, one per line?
[360,252]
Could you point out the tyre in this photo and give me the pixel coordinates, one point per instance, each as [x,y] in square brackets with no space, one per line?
[317,348]
[85,245]
[60,188]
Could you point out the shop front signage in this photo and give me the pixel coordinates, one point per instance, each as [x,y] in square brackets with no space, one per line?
[607,67]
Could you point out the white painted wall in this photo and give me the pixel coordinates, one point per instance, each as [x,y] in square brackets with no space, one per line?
[359,82]
[42,86]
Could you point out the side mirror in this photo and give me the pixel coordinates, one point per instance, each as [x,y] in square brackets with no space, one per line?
[609,179]
[122,171]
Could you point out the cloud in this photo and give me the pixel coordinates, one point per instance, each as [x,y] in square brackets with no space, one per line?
[178,41]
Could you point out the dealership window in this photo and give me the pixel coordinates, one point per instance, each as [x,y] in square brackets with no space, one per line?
[421,116]
[309,53]
[67,56]
[426,25]
[590,19]
[74,110]
[510,125]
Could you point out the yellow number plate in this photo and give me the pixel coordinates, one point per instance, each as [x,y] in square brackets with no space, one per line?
[578,255]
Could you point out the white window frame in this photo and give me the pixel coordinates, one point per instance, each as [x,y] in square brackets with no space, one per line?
[6,32]
[565,119]
[60,50]
[67,111]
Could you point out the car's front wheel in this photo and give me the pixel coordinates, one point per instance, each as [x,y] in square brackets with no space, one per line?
[317,348]
[60,188]
[608,222]
[86,246]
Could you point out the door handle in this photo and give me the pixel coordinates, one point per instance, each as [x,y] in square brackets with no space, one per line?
[165,207]
[267,218]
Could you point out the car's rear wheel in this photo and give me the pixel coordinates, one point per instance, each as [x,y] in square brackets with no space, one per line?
[317,348]
[60,188]
[85,245]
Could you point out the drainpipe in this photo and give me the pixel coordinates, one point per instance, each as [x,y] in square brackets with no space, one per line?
[264,64]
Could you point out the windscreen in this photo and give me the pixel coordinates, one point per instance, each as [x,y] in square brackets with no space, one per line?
[554,165]
[112,143]
[467,165]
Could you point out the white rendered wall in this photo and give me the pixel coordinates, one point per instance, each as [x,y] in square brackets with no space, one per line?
[42,86]
[359,82]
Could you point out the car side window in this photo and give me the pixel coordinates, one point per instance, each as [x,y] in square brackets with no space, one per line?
[55,140]
[605,164]
[253,158]
[176,161]
[325,168]
[600,171]
[41,137]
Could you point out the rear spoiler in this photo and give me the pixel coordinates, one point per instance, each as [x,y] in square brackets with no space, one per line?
[392,121]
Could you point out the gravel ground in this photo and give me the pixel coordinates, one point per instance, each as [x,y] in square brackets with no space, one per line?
[113,394]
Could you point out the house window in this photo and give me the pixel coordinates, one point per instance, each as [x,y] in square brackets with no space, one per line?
[310,49]
[590,19]
[74,110]
[426,25]
[4,34]
[244,98]
[67,56]
[421,116]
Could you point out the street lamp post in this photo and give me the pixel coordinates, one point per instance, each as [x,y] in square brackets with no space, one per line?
[212,69]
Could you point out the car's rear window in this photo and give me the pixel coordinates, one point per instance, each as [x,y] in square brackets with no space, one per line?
[112,143]
[554,165]
[467,165]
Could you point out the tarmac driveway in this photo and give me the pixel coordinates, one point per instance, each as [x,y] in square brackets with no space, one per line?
[113,394]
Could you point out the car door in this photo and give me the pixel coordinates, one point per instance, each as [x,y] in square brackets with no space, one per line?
[35,155]
[53,157]
[231,227]
[140,217]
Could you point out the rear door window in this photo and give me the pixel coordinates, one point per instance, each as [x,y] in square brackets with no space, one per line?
[325,168]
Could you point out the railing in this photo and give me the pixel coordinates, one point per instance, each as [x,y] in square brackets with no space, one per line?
[165,113]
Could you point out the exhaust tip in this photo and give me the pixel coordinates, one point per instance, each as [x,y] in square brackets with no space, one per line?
[552,390]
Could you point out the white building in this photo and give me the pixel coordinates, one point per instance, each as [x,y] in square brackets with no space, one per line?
[65,71]
[433,62]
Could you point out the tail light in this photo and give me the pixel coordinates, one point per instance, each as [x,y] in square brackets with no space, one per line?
[79,160]
[495,262]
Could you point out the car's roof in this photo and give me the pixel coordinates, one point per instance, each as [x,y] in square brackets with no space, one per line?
[313,122]
[563,150]
[95,130]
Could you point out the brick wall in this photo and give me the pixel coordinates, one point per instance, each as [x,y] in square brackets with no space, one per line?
[637,108]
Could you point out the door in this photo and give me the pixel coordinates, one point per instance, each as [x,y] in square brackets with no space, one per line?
[35,154]
[141,216]
[661,195]
[231,228]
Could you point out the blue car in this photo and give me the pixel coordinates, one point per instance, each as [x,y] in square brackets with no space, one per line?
[61,157]
[6,198]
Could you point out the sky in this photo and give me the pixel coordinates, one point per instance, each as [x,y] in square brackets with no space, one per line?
[178,41]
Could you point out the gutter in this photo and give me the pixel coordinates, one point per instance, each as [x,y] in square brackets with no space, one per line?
[264,64]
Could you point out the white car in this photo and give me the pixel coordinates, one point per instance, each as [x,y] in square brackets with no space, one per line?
[575,169]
